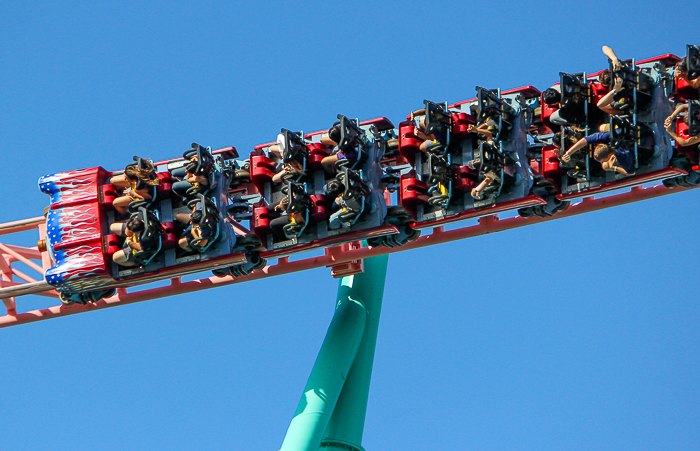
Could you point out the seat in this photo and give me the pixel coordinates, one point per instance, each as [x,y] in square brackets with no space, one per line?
[684,91]
[623,132]
[203,166]
[321,207]
[351,143]
[261,222]
[152,189]
[298,202]
[466,178]
[546,112]
[354,199]
[149,238]
[691,152]
[598,91]
[438,120]
[460,124]
[317,152]
[550,167]
[210,219]
[490,105]
[574,97]
[295,149]
[262,169]
[693,55]
[413,192]
[694,118]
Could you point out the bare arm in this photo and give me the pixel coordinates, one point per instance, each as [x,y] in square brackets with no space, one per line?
[611,54]
[580,144]
[201,180]
[604,103]
[278,177]
[611,166]
[682,141]
[482,130]
[140,194]
[679,109]
[476,192]
[695,83]
[620,170]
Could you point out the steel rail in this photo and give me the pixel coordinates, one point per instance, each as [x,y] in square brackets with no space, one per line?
[333,257]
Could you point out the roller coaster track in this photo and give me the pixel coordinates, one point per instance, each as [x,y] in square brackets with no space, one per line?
[345,259]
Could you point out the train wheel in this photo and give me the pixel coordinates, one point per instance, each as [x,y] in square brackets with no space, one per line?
[525,212]
[563,206]
[64,299]
[670,183]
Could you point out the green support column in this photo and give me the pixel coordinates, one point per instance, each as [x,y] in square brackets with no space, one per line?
[344,431]
[334,402]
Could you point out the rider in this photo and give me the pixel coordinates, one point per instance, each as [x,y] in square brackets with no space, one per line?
[431,141]
[331,139]
[668,124]
[620,159]
[138,182]
[197,234]
[189,176]
[681,71]
[131,229]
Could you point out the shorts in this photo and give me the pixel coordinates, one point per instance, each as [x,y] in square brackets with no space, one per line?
[206,233]
[433,144]
[129,253]
[342,156]
[416,122]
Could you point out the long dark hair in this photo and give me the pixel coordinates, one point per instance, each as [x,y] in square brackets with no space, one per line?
[146,174]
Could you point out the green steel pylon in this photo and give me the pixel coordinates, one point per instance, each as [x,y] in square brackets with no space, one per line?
[331,412]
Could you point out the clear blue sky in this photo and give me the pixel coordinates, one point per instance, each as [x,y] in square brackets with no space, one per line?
[577,334]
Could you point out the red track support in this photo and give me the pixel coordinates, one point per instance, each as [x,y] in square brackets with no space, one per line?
[343,259]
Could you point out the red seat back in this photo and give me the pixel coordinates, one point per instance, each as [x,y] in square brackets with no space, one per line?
[550,167]
[684,91]
[690,151]
[262,169]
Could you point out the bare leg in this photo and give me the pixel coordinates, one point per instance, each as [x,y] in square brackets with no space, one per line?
[184,244]
[120,204]
[477,192]
[329,164]
[120,181]
[183,218]
[117,228]
[327,141]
